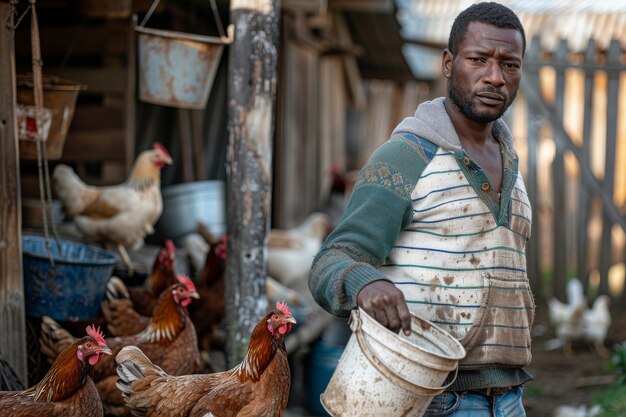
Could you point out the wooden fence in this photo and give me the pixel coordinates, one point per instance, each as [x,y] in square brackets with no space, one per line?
[576,167]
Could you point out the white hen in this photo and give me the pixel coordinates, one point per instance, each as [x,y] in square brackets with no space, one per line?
[291,252]
[596,323]
[567,318]
[577,411]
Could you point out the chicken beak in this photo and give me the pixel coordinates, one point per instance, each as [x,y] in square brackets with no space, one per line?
[194,295]
[289,319]
[168,160]
[106,350]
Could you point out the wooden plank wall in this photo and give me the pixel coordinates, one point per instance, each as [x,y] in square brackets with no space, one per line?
[576,173]
[12,318]
[297,129]
[97,52]
[327,115]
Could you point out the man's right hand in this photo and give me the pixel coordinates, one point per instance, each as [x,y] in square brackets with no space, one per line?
[385,303]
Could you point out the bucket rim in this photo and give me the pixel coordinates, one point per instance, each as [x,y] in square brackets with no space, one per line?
[452,356]
[50,82]
[107,259]
[171,34]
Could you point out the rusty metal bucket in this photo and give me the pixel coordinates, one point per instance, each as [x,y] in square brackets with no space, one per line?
[177,69]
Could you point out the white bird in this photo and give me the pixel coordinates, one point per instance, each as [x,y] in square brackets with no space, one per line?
[291,252]
[596,322]
[567,318]
[577,411]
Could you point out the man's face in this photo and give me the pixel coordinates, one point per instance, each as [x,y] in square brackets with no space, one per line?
[484,75]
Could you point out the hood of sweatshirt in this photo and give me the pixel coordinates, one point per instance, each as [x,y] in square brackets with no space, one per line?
[431,122]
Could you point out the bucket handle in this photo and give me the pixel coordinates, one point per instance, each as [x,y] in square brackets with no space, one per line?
[227,38]
[390,373]
[421,361]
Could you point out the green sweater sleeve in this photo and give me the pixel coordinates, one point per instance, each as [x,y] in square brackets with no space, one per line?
[379,208]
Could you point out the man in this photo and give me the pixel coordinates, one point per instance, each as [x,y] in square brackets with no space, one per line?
[438,222]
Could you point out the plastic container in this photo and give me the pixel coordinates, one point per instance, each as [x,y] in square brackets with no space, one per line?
[186,204]
[321,363]
[76,288]
[382,373]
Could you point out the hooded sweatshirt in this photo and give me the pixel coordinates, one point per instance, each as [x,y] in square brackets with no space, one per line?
[424,216]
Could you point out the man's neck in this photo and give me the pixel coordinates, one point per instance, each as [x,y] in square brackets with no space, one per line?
[475,134]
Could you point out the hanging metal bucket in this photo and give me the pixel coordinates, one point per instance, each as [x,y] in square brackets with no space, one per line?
[177,69]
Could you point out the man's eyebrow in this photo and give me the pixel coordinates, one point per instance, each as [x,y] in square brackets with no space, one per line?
[487,51]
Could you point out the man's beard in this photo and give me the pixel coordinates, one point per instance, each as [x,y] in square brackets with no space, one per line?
[463,101]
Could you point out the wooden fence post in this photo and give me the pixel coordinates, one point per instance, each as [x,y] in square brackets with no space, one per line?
[12,318]
[533,249]
[614,57]
[584,196]
[252,91]
[559,184]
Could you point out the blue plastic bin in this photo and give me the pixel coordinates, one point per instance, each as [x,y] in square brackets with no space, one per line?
[322,361]
[77,287]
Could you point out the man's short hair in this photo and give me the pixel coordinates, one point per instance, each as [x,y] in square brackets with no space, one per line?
[489,13]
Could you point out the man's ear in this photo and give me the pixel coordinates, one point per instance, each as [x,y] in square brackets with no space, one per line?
[446,63]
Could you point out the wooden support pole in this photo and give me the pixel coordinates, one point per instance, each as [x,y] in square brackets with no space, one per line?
[251,98]
[12,316]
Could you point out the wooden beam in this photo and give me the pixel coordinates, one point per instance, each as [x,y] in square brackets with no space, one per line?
[312,6]
[12,315]
[253,61]
[365,6]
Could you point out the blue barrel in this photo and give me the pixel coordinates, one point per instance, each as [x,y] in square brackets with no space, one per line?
[322,361]
[75,289]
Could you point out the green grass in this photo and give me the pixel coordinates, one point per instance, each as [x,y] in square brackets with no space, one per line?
[533,391]
[612,400]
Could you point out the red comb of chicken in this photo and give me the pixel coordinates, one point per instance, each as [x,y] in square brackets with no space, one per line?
[282,307]
[157,145]
[186,281]
[170,246]
[220,248]
[96,334]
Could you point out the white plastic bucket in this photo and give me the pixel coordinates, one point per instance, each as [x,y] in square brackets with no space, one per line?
[382,373]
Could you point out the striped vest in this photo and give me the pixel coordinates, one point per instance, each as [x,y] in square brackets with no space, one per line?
[461,264]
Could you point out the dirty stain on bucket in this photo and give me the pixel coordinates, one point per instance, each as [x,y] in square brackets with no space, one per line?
[384,373]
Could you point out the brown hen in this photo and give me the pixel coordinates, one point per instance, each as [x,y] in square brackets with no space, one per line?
[169,340]
[258,386]
[207,315]
[67,389]
[127,310]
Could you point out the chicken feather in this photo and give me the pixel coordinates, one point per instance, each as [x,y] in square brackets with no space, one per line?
[120,214]
[258,386]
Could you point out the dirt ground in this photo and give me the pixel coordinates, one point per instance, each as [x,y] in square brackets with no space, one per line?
[561,380]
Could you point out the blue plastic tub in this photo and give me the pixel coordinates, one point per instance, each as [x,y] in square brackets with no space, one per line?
[322,361]
[76,288]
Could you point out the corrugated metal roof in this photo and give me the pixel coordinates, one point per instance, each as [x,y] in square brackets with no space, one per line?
[577,21]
